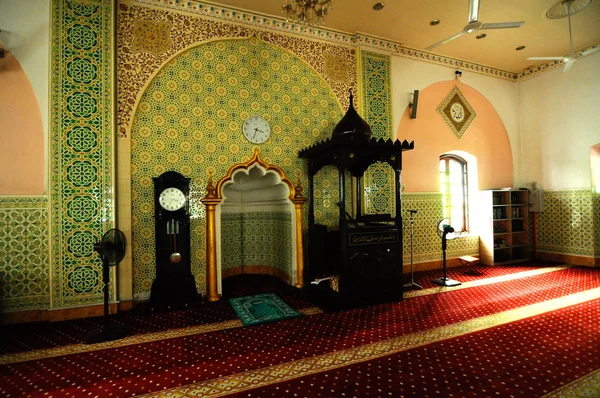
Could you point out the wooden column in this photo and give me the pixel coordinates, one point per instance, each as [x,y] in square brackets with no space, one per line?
[211,201]
[299,200]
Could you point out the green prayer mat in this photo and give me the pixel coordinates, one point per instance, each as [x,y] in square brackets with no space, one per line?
[262,308]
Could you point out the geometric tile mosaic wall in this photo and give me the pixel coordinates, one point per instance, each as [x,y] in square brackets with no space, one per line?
[267,240]
[596,218]
[231,240]
[24,265]
[81,146]
[149,37]
[426,242]
[257,239]
[378,180]
[569,222]
[189,120]
[377,93]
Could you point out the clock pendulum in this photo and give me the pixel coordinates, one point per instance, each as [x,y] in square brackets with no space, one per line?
[173,230]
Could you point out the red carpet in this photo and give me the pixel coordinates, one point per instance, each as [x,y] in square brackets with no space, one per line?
[208,358]
[527,358]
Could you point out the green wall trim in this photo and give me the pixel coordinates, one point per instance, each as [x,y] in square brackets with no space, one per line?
[24,267]
[378,180]
[81,146]
[570,222]
[427,245]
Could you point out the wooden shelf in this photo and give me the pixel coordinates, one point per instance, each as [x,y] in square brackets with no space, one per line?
[505,210]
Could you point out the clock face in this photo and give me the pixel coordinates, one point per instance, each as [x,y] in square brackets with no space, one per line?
[256,129]
[457,111]
[171,199]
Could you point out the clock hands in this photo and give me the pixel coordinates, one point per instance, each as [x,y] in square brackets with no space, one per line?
[256,130]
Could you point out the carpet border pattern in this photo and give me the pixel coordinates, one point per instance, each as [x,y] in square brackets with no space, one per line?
[257,378]
[206,328]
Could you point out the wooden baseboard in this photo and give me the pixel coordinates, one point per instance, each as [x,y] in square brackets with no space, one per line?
[126,305]
[62,314]
[9,318]
[569,259]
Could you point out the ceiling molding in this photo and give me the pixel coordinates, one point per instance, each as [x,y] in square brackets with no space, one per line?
[358,39]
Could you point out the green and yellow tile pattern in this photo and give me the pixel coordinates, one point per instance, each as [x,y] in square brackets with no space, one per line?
[378,180]
[427,244]
[189,120]
[81,146]
[569,223]
[24,265]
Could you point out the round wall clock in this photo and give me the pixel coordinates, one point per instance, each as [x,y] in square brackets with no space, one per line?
[457,111]
[171,199]
[256,129]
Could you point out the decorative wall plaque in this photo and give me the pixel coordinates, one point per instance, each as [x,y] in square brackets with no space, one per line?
[456,112]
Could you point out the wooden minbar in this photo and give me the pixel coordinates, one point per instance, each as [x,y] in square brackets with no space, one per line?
[357,261]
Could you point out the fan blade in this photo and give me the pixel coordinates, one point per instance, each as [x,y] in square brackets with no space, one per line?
[502,25]
[546,58]
[446,40]
[568,64]
[473,11]
[590,51]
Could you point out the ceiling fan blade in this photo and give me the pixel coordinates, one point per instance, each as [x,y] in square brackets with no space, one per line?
[546,58]
[590,51]
[446,40]
[568,64]
[473,11]
[502,25]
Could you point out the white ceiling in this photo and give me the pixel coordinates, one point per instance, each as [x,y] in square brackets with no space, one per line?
[407,22]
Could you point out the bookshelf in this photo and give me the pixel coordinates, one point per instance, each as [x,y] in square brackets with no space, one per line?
[504,235]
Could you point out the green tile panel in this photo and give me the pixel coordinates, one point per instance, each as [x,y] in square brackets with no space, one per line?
[24,265]
[569,222]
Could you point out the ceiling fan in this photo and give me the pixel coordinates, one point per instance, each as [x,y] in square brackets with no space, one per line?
[474,25]
[570,59]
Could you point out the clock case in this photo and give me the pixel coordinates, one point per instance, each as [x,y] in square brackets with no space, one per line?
[174,282]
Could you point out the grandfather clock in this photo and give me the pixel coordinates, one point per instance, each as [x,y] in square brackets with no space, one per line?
[174,281]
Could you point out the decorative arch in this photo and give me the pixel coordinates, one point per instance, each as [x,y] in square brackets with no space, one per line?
[254,161]
[297,101]
[214,226]
[486,139]
[22,138]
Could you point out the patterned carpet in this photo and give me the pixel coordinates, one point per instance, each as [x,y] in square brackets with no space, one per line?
[513,331]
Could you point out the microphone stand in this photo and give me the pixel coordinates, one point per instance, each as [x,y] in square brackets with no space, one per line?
[412,281]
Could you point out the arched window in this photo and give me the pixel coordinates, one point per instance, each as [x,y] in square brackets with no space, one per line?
[454,188]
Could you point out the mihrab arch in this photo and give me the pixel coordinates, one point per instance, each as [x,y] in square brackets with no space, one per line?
[253,188]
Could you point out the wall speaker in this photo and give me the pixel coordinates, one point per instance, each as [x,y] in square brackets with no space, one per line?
[413,104]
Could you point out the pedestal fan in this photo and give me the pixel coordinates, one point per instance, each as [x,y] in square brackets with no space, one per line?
[111,250]
[445,232]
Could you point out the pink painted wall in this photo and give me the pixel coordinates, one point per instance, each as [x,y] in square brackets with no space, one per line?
[486,139]
[21,133]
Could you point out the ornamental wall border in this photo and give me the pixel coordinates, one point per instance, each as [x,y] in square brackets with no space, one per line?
[357,39]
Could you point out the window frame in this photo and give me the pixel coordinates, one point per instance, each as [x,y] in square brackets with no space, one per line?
[446,192]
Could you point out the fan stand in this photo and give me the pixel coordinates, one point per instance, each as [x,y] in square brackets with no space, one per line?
[445,281]
[108,331]
[412,280]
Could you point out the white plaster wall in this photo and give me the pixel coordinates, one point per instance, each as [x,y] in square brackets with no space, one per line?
[25,33]
[560,115]
[409,75]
